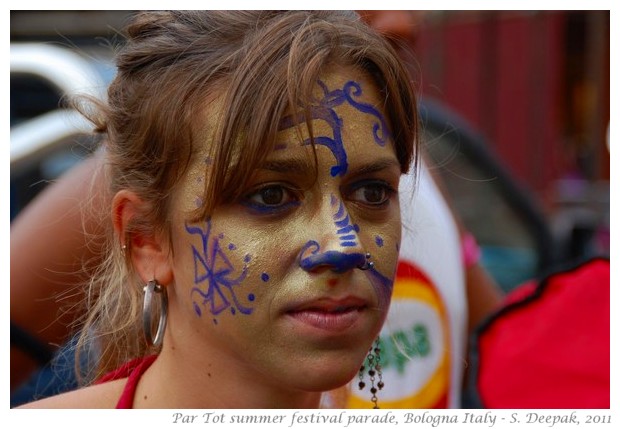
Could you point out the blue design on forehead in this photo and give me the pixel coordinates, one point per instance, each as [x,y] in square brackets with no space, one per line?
[380,130]
[325,111]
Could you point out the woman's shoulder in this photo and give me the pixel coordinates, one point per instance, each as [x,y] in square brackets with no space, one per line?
[104,395]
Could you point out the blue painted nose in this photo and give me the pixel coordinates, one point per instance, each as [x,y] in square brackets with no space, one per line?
[334,260]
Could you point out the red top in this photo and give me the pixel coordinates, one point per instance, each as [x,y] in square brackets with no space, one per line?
[549,347]
[133,371]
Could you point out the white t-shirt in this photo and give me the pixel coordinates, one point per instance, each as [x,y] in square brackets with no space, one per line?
[423,341]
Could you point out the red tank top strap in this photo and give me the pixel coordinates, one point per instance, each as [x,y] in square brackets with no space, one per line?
[133,371]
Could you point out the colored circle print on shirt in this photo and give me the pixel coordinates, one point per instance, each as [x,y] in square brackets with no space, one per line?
[415,344]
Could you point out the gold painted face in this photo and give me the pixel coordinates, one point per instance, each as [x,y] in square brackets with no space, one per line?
[278,282]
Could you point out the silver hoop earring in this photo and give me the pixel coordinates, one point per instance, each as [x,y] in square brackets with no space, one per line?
[147,313]
[367,264]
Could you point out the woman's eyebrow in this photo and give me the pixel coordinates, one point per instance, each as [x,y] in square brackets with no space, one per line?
[294,166]
[304,166]
[374,166]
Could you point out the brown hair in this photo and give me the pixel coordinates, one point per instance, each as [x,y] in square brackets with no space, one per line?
[259,65]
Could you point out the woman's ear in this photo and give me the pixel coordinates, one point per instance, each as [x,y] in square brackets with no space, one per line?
[149,251]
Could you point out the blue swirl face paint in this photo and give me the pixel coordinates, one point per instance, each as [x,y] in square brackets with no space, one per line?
[345,229]
[311,258]
[380,130]
[215,277]
[325,111]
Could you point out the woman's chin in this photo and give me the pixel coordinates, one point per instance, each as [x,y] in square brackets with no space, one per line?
[325,376]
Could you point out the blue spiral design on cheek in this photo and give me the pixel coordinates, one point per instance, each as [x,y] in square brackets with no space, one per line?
[215,276]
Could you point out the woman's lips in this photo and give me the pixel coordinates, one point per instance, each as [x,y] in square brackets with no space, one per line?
[328,314]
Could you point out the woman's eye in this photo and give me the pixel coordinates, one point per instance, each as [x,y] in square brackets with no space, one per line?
[373,194]
[271,198]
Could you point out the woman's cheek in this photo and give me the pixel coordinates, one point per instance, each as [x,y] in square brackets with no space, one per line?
[384,245]
[219,283]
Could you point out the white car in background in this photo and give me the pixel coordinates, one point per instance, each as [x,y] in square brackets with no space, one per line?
[47,137]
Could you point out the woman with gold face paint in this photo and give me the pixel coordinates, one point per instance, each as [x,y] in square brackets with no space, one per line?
[253,161]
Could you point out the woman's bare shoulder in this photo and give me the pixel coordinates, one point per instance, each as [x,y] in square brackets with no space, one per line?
[105,395]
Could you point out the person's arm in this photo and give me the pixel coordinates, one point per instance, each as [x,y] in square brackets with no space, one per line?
[51,253]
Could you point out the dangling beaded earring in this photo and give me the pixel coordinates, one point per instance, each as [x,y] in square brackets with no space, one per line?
[373,364]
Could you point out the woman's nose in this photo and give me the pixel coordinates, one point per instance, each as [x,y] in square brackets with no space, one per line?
[337,246]
[314,259]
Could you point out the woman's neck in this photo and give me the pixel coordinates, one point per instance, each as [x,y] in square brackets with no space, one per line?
[198,380]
